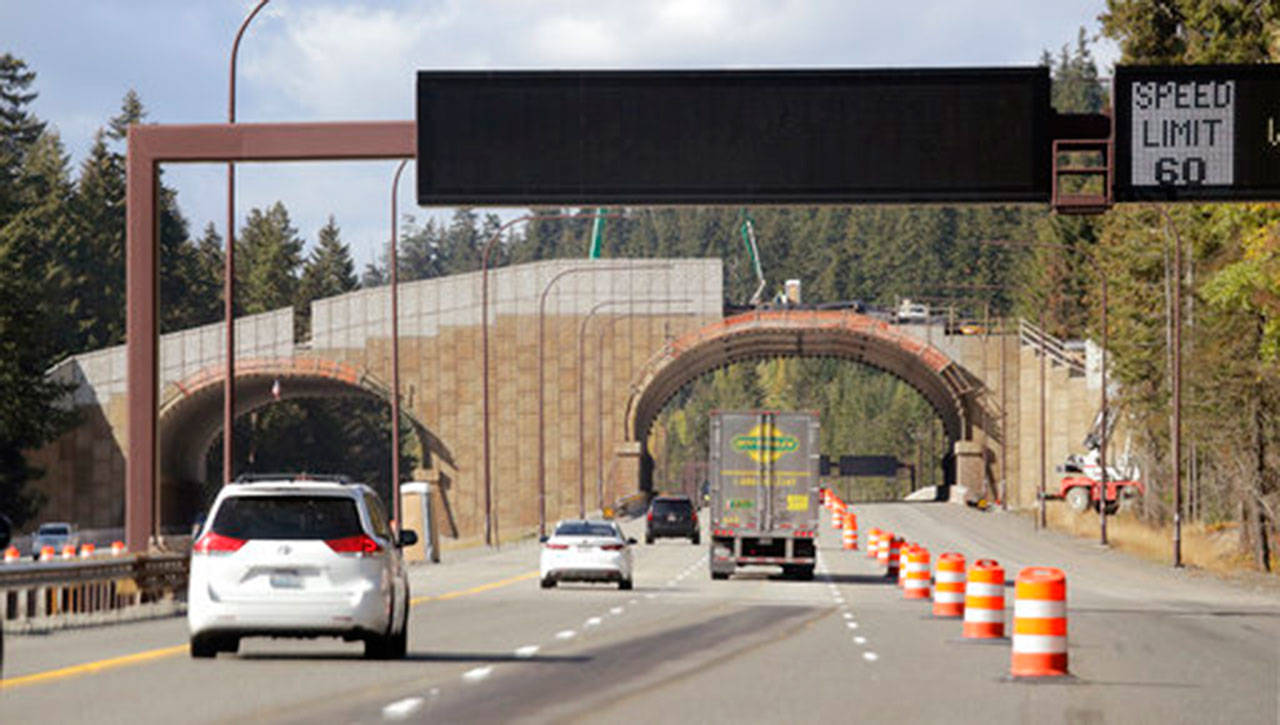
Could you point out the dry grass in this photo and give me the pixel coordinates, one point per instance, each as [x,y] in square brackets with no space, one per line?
[1214,548]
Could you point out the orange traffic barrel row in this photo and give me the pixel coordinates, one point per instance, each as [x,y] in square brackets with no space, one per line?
[837,513]
[117,548]
[12,554]
[906,548]
[47,553]
[1040,623]
[87,551]
[882,548]
[915,583]
[68,551]
[984,600]
[851,531]
[948,587]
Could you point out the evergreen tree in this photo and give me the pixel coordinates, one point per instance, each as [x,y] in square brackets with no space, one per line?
[328,271]
[33,293]
[19,128]
[268,260]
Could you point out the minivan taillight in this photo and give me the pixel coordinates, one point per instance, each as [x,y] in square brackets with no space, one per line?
[557,547]
[217,544]
[611,547]
[358,545]
[650,516]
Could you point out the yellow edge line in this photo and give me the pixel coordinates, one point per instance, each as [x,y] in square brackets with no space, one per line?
[153,654]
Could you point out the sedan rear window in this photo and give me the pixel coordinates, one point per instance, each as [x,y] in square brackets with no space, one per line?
[54,530]
[585,529]
[288,517]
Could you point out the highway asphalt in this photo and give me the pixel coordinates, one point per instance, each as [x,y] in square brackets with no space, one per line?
[1147,644]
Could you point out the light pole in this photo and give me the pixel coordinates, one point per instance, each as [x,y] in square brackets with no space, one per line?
[229,269]
[490,520]
[1102,443]
[582,332]
[542,303]
[394,262]
[1175,419]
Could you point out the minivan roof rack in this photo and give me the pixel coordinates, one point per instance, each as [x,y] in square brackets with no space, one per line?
[264,477]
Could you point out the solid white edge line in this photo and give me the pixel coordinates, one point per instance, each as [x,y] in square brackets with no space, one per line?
[526,651]
[401,709]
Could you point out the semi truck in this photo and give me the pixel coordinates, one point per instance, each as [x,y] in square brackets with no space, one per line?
[764,478]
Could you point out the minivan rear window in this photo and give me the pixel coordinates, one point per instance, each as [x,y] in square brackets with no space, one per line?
[287,517]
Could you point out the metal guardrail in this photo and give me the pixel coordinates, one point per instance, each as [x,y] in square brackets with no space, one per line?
[52,595]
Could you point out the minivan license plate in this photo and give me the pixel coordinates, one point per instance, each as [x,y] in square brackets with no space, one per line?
[286,579]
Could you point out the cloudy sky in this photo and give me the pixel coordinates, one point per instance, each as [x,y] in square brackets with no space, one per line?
[355,60]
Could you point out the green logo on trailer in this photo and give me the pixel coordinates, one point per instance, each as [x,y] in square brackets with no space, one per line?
[765,443]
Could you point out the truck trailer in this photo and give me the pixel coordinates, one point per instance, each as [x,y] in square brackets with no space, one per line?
[764,478]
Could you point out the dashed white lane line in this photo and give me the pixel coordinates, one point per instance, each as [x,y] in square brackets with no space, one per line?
[526,651]
[632,601]
[650,596]
[848,615]
[616,611]
[402,709]
[851,625]
[566,634]
[859,640]
[477,674]
[870,656]
[594,621]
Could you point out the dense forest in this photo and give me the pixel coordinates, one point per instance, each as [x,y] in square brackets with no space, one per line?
[62,279]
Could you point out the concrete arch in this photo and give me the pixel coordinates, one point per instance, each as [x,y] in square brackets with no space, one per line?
[190,415]
[952,391]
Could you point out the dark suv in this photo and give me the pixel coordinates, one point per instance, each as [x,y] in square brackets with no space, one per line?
[671,516]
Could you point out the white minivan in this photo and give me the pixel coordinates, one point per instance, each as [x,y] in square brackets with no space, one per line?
[280,556]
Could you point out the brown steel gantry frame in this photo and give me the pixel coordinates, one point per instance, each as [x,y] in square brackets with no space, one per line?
[150,146]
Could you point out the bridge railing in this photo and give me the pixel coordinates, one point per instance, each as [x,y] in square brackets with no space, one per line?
[54,595]
[1055,349]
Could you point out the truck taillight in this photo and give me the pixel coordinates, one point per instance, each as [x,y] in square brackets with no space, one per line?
[359,545]
[649,517]
[217,544]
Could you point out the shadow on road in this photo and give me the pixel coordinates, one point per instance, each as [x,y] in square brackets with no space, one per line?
[861,579]
[452,657]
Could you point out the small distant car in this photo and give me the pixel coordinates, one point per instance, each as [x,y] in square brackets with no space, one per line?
[672,517]
[589,550]
[56,534]
[298,557]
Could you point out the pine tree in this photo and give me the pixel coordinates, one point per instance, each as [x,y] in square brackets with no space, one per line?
[328,271]
[268,259]
[19,128]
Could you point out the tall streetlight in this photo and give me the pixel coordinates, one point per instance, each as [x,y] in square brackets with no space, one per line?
[490,520]
[229,268]
[582,332]
[1102,405]
[542,304]
[394,262]
[1175,418]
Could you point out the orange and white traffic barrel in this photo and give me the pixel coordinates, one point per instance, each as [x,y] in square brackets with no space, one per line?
[873,542]
[882,547]
[117,548]
[851,531]
[69,551]
[12,554]
[907,546]
[837,513]
[87,550]
[1040,623]
[891,553]
[916,583]
[948,587]
[47,553]
[984,600]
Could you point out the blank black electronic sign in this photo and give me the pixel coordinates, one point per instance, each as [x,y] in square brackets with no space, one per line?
[1207,132]
[607,137]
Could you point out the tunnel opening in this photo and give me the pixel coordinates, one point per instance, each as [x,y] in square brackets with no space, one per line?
[865,411]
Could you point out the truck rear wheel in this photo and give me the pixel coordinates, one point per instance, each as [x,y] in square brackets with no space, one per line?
[719,575]
[1078,499]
